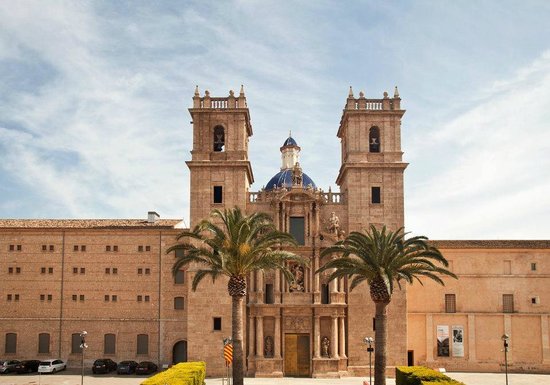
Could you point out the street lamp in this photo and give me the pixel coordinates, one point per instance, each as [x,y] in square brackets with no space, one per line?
[83,346]
[370,349]
[505,338]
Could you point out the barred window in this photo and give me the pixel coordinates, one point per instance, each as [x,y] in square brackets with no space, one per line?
[507,303]
[142,344]
[450,303]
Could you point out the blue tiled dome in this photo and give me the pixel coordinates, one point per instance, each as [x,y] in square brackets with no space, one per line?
[290,142]
[284,179]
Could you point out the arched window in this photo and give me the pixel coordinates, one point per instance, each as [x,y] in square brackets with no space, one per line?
[11,343]
[179,277]
[109,344]
[374,139]
[179,303]
[142,344]
[219,138]
[43,343]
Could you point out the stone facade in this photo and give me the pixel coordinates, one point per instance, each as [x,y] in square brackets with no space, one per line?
[113,278]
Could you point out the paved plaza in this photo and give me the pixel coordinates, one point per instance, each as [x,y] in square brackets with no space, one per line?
[72,378]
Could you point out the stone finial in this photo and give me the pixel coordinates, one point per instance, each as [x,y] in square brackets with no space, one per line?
[396,93]
[350,95]
[361,94]
[197,90]
[385,94]
[242,91]
[231,93]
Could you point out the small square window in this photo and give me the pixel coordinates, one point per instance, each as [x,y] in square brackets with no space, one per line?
[147,298]
[75,270]
[147,248]
[217,323]
[17,270]
[375,195]
[75,297]
[115,248]
[17,297]
[140,270]
[107,270]
[42,270]
[535,300]
[50,270]
[107,248]
[42,297]
[533,266]
[12,247]
[9,297]
[75,248]
[147,271]
[139,298]
[44,248]
[114,298]
[107,298]
[115,270]
[82,297]
[49,297]
[140,248]
[82,270]
[218,194]
[10,270]
[51,248]
[450,303]
[83,248]
[19,248]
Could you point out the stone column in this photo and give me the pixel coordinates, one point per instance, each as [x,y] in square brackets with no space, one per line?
[429,338]
[317,337]
[277,286]
[251,338]
[342,338]
[259,336]
[316,289]
[471,338]
[333,283]
[334,340]
[260,286]
[277,338]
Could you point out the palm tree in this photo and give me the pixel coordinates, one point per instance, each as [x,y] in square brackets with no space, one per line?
[236,247]
[382,258]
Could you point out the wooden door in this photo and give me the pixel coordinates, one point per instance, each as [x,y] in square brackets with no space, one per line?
[297,355]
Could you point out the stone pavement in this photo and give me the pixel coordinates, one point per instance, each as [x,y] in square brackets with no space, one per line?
[74,379]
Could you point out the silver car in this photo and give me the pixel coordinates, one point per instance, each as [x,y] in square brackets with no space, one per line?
[7,366]
[51,366]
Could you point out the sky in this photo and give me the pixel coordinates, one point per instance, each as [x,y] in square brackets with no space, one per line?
[94,98]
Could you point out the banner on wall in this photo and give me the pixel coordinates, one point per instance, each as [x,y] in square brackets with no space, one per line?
[443,340]
[458,341]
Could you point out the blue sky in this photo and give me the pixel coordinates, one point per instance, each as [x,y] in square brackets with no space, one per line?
[94,98]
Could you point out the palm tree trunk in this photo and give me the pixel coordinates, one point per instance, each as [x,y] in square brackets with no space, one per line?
[237,336]
[380,344]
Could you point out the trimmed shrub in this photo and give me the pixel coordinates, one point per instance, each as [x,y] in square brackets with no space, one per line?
[420,375]
[184,373]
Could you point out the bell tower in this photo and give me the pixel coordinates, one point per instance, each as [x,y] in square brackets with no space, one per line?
[371,171]
[220,170]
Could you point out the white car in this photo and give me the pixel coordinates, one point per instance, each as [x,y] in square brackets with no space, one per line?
[51,366]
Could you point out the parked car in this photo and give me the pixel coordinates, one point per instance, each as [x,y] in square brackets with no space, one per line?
[51,366]
[27,366]
[7,366]
[126,367]
[103,365]
[146,367]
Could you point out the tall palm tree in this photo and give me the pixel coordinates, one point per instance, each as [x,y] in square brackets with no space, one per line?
[383,258]
[232,244]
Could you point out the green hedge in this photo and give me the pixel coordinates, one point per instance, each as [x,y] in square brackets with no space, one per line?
[420,375]
[185,373]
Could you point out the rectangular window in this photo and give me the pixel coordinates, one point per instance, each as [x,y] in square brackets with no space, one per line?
[17,270]
[11,343]
[146,298]
[42,297]
[51,248]
[147,271]
[140,270]
[218,194]
[9,297]
[178,303]
[75,270]
[82,270]
[115,248]
[12,247]
[43,343]
[450,303]
[107,298]
[507,267]
[75,297]
[375,195]
[82,297]
[507,303]
[19,248]
[269,294]
[115,270]
[76,340]
[17,297]
[109,344]
[50,270]
[139,298]
[42,270]
[147,248]
[107,248]
[140,248]
[49,297]
[297,229]
[83,248]
[179,278]
[44,248]
[325,295]
[107,270]
[142,344]
[75,248]
[114,298]
[10,270]
[533,266]
[217,323]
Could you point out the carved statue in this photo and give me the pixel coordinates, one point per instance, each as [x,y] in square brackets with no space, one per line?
[298,284]
[334,223]
[297,175]
[325,347]
[268,347]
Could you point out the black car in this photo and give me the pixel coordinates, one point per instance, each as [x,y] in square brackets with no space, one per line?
[146,367]
[126,367]
[27,366]
[104,365]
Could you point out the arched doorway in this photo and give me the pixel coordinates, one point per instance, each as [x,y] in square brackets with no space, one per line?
[179,352]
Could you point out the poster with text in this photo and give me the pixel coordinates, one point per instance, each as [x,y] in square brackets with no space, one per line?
[443,340]
[458,341]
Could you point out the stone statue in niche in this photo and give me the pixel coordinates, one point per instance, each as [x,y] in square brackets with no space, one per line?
[334,226]
[298,284]
[297,175]
[325,347]
[268,347]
